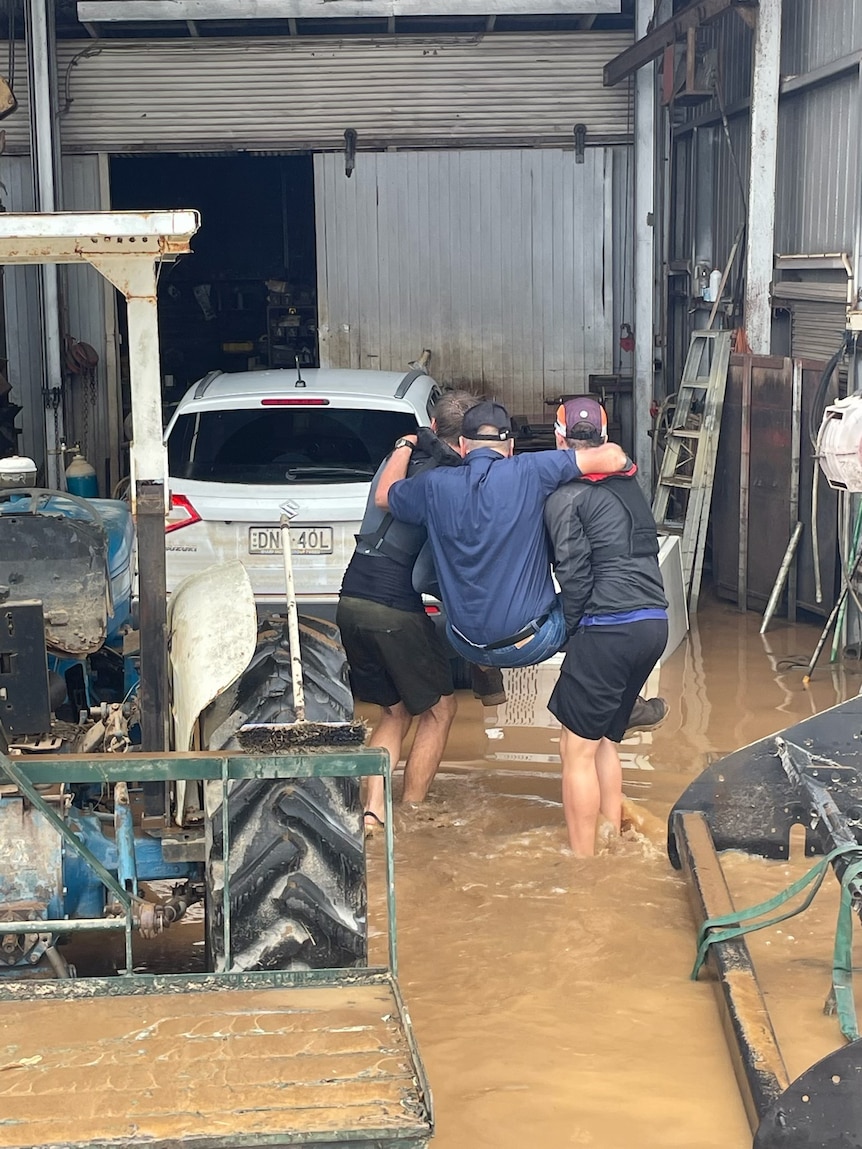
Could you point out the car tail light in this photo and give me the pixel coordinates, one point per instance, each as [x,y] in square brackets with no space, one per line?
[181,514]
[431,609]
[294,402]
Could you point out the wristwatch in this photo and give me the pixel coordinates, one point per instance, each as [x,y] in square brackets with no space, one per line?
[403,443]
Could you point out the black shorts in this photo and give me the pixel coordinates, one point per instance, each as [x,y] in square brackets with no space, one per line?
[602,675]
[394,655]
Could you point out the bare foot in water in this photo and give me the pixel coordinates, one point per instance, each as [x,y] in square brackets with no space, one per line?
[606,833]
[637,817]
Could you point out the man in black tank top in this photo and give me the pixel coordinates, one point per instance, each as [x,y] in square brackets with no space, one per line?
[397,659]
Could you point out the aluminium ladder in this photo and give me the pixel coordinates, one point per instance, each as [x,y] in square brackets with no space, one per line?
[683,492]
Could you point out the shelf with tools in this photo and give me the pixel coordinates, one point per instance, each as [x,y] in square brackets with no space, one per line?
[291,328]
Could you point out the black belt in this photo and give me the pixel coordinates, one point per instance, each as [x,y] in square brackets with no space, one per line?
[529,630]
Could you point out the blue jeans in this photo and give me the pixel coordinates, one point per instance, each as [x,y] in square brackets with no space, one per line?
[547,640]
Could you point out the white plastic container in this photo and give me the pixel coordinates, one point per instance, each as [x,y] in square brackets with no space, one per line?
[841,444]
[17,471]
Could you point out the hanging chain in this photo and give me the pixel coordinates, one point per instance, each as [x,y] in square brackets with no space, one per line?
[81,362]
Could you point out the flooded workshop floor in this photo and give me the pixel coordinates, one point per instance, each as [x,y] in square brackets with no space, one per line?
[550,996]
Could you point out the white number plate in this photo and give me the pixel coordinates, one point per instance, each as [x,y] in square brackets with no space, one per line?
[303,540]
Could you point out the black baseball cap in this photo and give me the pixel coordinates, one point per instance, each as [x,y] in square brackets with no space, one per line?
[487,415]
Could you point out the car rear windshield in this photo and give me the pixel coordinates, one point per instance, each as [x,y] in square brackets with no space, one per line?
[278,445]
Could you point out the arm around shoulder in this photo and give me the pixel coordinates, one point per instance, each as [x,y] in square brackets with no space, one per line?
[604,460]
[395,469]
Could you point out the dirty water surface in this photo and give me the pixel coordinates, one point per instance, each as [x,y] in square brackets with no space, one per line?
[551,996]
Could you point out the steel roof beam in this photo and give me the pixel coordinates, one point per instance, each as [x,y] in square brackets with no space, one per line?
[649,47]
[127,11]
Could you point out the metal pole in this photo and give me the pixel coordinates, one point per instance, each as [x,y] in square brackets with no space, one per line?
[744,484]
[795,454]
[760,238]
[644,265]
[292,623]
[784,570]
[149,494]
[136,278]
[45,155]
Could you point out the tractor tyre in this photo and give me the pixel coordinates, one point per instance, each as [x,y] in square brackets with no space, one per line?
[297,856]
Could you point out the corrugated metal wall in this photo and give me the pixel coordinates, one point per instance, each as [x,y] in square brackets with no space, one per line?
[500,262]
[91,406]
[21,315]
[817,193]
[818,161]
[817,329]
[622,240]
[84,301]
[817,32]
[301,93]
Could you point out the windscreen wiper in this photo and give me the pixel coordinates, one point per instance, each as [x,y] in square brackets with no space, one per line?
[328,469]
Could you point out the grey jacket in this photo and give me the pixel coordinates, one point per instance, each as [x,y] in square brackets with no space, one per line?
[605,548]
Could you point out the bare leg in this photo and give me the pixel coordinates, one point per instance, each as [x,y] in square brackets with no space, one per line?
[388,734]
[429,742]
[610,774]
[581,792]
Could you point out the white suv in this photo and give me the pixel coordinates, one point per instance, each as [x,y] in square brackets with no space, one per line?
[241,445]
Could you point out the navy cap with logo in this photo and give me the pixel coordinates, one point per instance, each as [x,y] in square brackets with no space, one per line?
[487,415]
[583,417]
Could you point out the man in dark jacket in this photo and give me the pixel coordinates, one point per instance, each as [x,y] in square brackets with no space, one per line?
[397,659]
[606,561]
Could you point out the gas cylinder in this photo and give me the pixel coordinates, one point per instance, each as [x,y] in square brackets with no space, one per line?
[81,477]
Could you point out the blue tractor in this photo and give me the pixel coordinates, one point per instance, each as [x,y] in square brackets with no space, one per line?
[68,684]
[69,677]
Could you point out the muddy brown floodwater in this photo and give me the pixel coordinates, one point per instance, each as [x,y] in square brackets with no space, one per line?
[551,996]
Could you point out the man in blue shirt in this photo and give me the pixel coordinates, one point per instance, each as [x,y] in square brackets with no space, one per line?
[487,536]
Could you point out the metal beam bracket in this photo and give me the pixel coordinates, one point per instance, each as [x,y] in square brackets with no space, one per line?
[651,46]
[580,134]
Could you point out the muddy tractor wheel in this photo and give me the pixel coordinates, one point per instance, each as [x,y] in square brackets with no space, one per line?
[297,858]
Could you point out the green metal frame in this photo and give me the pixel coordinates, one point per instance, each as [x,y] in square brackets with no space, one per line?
[27,773]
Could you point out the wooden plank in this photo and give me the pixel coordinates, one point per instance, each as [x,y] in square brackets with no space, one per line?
[219,1068]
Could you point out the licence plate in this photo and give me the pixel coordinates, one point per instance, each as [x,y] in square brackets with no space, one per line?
[303,540]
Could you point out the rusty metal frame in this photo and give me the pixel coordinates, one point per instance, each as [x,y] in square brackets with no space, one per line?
[649,47]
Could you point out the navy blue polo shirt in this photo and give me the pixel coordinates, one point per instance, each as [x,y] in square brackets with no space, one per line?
[487,535]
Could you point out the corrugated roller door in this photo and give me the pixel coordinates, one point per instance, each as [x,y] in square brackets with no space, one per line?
[302,92]
[817,328]
[500,262]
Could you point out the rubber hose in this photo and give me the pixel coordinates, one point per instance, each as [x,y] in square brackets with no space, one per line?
[815,415]
[815,534]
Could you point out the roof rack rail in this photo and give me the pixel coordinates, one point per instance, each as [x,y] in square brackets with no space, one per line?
[408,381]
[201,388]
